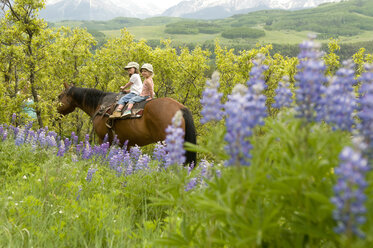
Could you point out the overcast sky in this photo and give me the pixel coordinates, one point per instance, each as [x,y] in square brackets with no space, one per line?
[163,4]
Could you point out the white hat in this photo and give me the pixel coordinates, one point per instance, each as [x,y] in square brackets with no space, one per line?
[148,67]
[132,65]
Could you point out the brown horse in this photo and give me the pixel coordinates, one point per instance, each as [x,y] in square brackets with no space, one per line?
[149,128]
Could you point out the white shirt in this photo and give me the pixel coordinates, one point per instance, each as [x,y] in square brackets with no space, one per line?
[136,87]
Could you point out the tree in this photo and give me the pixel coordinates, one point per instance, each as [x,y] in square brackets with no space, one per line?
[29,33]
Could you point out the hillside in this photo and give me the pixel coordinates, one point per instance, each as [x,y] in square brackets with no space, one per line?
[349,22]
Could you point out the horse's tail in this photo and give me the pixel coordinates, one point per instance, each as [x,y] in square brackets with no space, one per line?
[190,135]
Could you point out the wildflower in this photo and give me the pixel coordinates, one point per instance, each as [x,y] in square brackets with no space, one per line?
[349,192]
[257,72]
[90,173]
[14,116]
[340,101]
[192,184]
[366,105]
[211,100]
[61,150]
[310,79]
[174,141]
[143,162]
[159,152]
[283,96]
[20,139]
[74,138]
[87,151]
[135,153]
[245,109]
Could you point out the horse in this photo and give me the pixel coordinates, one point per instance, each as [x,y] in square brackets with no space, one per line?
[149,128]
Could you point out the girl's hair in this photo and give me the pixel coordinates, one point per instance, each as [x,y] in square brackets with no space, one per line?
[136,70]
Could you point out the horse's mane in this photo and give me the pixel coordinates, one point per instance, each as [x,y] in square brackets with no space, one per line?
[89,96]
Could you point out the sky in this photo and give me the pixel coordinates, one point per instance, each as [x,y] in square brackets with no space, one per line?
[163,4]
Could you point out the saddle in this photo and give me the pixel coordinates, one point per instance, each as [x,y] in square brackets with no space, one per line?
[108,107]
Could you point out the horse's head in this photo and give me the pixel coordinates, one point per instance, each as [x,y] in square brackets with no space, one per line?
[65,101]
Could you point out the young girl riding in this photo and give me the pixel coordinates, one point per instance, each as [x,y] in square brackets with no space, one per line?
[147,92]
[135,85]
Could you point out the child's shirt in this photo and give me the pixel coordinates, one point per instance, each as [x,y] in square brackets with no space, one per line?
[136,87]
[148,88]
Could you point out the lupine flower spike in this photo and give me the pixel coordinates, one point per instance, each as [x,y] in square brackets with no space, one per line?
[340,102]
[310,80]
[366,106]
[283,96]
[349,193]
[175,141]
[211,100]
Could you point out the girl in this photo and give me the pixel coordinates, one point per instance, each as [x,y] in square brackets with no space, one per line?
[147,92]
[135,84]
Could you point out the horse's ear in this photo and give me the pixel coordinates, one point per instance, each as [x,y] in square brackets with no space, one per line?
[66,85]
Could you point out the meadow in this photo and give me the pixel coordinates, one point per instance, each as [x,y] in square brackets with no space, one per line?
[299,178]
[284,143]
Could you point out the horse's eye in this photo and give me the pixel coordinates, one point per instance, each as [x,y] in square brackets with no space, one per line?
[60,97]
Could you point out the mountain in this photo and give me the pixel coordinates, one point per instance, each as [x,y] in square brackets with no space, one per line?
[96,9]
[215,9]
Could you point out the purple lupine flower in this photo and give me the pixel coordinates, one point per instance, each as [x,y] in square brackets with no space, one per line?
[1,131]
[191,184]
[90,173]
[74,138]
[102,150]
[68,144]
[160,153]
[245,109]
[283,96]
[116,140]
[42,138]
[211,100]
[257,72]
[129,165]
[366,106]
[13,120]
[349,192]
[5,135]
[20,139]
[61,150]
[143,162]
[310,80]
[51,140]
[340,102]
[135,153]
[175,141]
[78,193]
[15,131]
[79,147]
[238,147]
[31,138]
[116,160]
[204,173]
[87,151]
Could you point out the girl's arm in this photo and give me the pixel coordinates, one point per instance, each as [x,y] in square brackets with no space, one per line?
[122,88]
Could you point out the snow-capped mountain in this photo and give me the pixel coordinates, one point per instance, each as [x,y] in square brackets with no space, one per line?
[212,9]
[204,9]
[96,9]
